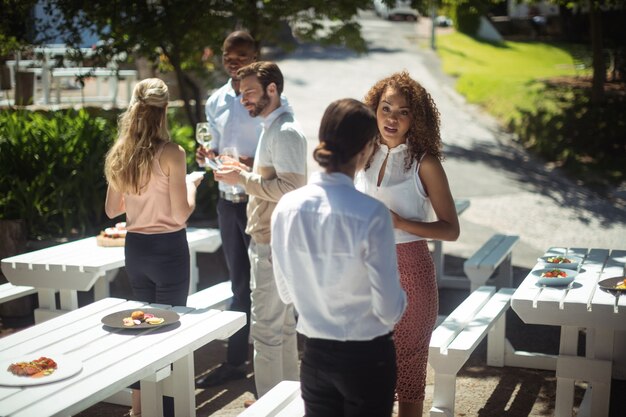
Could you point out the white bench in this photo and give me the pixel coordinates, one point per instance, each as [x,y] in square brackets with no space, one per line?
[216,296]
[284,400]
[496,252]
[454,340]
[10,292]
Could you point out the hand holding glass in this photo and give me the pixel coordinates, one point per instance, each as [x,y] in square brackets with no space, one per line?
[203,137]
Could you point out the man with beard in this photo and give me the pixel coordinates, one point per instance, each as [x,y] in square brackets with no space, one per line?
[231,126]
[279,167]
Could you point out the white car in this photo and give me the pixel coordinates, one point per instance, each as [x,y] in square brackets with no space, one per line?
[400,11]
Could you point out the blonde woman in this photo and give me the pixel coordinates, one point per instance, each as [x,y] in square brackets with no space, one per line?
[146,173]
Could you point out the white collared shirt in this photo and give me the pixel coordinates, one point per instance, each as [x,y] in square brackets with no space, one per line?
[334,257]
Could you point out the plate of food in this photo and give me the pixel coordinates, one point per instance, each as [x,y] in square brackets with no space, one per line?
[140,318]
[113,236]
[561,261]
[34,369]
[615,285]
[554,276]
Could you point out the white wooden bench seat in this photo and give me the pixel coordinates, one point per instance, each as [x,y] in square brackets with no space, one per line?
[454,340]
[216,296]
[496,252]
[284,400]
[10,292]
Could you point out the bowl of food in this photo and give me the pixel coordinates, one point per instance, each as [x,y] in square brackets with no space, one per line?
[615,285]
[554,276]
[561,261]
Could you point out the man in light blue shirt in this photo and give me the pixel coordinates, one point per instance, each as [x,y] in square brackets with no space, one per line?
[231,126]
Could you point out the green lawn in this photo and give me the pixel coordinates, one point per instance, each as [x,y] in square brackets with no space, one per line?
[503,77]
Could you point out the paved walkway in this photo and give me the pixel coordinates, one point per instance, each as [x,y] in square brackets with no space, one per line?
[510,191]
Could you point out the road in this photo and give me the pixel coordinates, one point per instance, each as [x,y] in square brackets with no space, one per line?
[510,191]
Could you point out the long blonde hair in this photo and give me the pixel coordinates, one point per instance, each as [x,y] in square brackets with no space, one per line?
[141,128]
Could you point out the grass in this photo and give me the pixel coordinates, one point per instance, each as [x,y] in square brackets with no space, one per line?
[503,77]
[538,91]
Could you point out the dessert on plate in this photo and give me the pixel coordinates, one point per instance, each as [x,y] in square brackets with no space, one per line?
[113,236]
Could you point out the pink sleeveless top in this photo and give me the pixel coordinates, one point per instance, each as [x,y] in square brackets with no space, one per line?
[151,211]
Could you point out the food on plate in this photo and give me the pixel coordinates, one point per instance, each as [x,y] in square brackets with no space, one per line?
[137,317]
[113,236]
[558,260]
[554,273]
[35,369]
[621,285]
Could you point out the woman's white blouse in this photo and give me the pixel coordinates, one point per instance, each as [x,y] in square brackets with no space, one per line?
[401,190]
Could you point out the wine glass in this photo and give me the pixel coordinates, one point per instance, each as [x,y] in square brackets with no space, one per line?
[203,134]
[203,137]
[230,152]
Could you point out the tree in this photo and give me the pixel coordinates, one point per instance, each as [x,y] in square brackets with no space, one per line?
[16,24]
[178,31]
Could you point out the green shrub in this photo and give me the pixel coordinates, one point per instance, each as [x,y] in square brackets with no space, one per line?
[586,140]
[51,165]
[466,16]
[52,170]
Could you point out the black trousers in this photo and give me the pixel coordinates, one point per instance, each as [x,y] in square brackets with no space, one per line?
[232,220]
[354,378]
[158,267]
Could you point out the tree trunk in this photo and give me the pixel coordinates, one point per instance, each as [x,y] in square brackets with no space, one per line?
[599,70]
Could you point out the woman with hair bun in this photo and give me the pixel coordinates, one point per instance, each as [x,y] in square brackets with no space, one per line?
[334,258]
[406,174]
[146,175]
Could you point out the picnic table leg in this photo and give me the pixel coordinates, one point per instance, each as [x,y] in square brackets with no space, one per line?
[600,346]
[69,300]
[151,398]
[195,272]
[152,392]
[565,386]
[47,304]
[101,288]
[183,387]
[443,395]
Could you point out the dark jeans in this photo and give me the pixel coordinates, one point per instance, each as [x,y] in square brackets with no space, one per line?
[355,379]
[232,220]
[158,267]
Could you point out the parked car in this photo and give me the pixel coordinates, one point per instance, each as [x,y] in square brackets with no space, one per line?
[400,11]
[443,21]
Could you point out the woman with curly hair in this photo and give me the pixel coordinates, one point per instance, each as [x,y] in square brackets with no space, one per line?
[405,173]
[146,173]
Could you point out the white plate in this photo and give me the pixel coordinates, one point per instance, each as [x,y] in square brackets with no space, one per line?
[66,367]
[576,261]
[571,274]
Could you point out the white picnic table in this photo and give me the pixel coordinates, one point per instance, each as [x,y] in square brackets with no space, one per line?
[81,265]
[581,305]
[112,359]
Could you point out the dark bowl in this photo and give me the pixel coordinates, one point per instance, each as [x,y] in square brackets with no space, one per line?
[609,284]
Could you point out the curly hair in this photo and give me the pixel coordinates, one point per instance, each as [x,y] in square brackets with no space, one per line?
[141,128]
[423,136]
